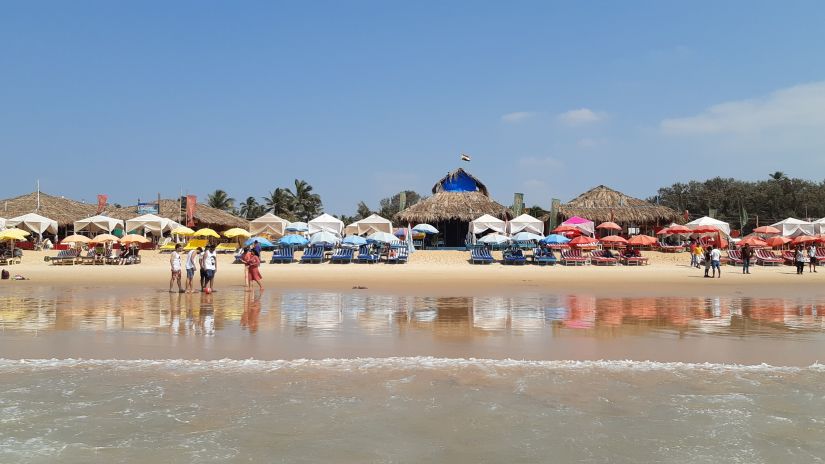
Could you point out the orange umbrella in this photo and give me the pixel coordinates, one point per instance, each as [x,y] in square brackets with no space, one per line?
[680,229]
[102,238]
[613,239]
[134,238]
[705,230]
[582,240]
[752,241]
[641,240]
[565,228]
[777,241]
[804,239]
[766,230]
[609,226]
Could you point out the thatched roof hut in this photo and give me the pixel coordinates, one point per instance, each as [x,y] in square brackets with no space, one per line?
[458,198]
[601,204]
[205,215]
[62,210]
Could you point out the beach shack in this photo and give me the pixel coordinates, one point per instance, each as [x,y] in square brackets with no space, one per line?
[458,199]
[63,211]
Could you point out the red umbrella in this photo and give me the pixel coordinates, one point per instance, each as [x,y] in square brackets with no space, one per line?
[767,230]
[609,226]
[641,240]
[804,239]
[705,230]
[680,229]
[777,241]
[582,240]
[614,239]
[752,241]
[664,231]
[565,228]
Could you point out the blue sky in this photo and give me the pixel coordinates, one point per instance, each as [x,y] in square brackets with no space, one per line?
[363,99]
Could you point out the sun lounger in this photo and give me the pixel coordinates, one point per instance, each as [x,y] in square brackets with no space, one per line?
[598,258]
[194,244]
[633,260]
[766,258]
[735,257]
[543,257]
[167,247]
[480,255]
[283,255]
[514,256]
[664,248]
[400,257]
[365,255]
[64,257]
[313,255]
[789,257]
[573,257]
[226,247]
[342,256]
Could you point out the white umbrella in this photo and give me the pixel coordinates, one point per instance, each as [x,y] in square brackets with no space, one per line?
[382,237]
[425,229]
[494,239]
[527,236]
[297,227]
[324,237]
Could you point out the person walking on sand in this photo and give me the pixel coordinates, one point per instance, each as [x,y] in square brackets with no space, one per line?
[715,261]
[746,259]
[253,263]
[210,262]
[191,265]
[812,260]
[800,259]
[201,263]
[694,260]
[174,262]
[706,257]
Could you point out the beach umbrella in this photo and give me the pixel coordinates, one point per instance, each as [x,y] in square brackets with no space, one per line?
[237,232]
[182,230]
[400,232]
[777,241]
[206,232]
[641,240]
[555,239]
[382,237]
[494,239]
[297,227]
[614,239]
[704,230]
[14,234]
[425,229]
[325,237]
[680,229]
[103,238]
[804,239]
[609,226]
[75,238]
[583,240]
[566,228]
[263,241]
[293,240]
[664,231]
[355,240]
[134,238]
[752,241]
[767,230]
[526,237]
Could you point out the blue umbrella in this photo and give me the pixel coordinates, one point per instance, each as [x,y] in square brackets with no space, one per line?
[355,240]
[297,227]
[324,238]
[526,237]
[264,242]
[555,239]
[293,240]
[425,229]
[382,237]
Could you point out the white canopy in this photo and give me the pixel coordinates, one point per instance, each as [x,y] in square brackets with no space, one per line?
[485,223]
[526,223]
[819,226]
[791,227]
[351,229]
[268,224]
[373,223]
[709,221]
[2,223]
[35,223]
[150,223]
[98,224]
[326,222]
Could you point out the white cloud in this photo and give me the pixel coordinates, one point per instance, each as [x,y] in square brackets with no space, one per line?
[581,116]
[547,162]
[801,106]
[517,117]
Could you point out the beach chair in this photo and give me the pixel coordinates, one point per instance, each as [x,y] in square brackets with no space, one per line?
[598,258]
[194,244]
[665,248]
[313,255]
[283,255]
[735,257]
[366,255]
[64,257]
[167,246]
[573,257]
[226,247]
[88,258]
[342,256]
[633,260]
[789,257]
[766,258]
[514,256]
[543,257]
[402,253]
[478,256]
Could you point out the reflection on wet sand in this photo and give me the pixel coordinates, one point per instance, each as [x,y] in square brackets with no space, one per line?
[327,314]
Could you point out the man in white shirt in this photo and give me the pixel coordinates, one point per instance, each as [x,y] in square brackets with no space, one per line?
[175,264]
[210,263]
[192,259]
[715,261]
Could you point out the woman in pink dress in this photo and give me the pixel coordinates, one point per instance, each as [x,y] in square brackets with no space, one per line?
[253,263]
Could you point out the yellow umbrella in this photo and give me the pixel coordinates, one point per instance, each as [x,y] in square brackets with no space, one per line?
[237,232]
[14,234]
[206,232]
[102,238]
[76,239]
[182,230]
[134,238]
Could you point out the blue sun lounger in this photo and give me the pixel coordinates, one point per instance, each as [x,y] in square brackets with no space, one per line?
[367,256]
[402,253]
[514,256]
[283,255]
[480,256]
[542,257]
[313,254]
[342,256]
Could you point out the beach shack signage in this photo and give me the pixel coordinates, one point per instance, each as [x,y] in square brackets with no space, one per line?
[148,208]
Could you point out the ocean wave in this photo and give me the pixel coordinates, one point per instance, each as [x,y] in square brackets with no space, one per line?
[394,363]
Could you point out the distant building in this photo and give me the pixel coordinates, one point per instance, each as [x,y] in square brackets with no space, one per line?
[603,204]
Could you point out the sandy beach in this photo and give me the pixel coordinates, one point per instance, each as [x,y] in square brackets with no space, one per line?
[448,273]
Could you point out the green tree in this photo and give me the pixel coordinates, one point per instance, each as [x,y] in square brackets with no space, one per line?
[221,200]
[362,212]
[305,205]
[279,203]
[250,209]
[389,207]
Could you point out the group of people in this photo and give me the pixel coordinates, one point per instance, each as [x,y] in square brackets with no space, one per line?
[803,256]
[204,259]
[711,256]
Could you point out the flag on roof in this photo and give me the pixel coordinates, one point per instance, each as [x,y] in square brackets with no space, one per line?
[465,157]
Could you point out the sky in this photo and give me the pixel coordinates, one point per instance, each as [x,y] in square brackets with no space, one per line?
[364,98]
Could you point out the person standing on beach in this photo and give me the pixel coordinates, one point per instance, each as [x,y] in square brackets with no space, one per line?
[174,262]
[201,262]
[812,261]
[252,263]
[191,265]
[800,259]
[746,259]
[707,261]
[694,260]
[715,261]
[210,262]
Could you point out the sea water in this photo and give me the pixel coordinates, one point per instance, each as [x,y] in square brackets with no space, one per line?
[90,376]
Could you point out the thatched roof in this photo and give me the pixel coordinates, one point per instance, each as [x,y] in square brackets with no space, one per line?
[445,206]
[602,203]
[205,215]
[439,186]
[62,210]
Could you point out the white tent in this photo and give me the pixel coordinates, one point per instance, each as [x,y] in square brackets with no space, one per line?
[326,222]
[819,226]
[373,223]
[485,223]
[526,223]
[791,227]
[98,224]
[709,221]
[149,223]
[351,229]
[268,224]
[34,223]
[2,223]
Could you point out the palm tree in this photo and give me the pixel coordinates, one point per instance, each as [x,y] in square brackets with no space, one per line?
[305,204]
[221,200]
[250,209]
[364,211]
[279,202]
[778,175]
